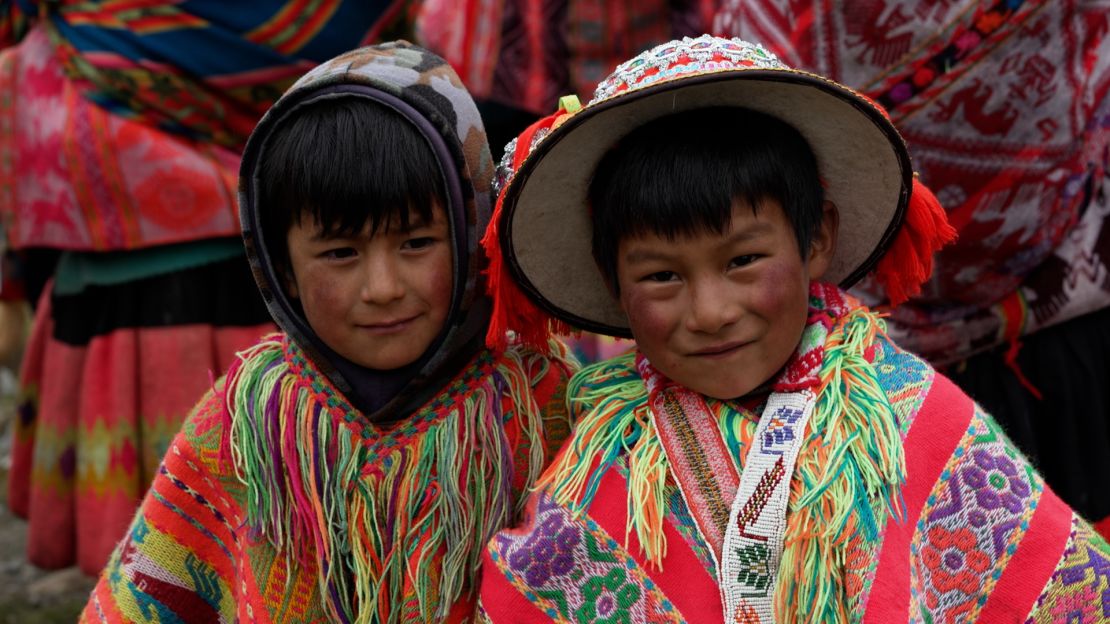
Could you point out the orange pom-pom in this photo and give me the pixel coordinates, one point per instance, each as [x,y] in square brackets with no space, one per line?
[909,261]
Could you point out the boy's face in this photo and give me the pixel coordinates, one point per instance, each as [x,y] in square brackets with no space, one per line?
[722,313]
[379,300]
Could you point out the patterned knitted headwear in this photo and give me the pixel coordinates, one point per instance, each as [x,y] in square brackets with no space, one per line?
[423,88]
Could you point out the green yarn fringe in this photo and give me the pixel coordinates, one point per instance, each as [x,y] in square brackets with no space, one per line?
[395,520]
[848,478]
[616,422]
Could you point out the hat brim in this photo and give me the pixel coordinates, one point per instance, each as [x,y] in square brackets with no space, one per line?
[546,230]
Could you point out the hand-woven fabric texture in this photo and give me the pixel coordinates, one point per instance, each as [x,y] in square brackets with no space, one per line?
[974,534]
[300,510]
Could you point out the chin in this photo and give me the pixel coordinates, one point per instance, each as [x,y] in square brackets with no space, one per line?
[724,392]
[387,363]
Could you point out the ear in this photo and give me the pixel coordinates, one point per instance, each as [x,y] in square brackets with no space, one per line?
[822,247]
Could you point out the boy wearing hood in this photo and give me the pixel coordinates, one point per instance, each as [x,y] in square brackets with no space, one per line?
[766,454]
[351,467]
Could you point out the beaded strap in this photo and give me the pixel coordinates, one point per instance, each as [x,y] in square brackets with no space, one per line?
[757,524]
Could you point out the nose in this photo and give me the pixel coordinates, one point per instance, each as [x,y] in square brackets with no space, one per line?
[713,306]
[381,282]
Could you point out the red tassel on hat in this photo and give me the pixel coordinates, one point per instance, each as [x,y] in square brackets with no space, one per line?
[512,309]
[909,261]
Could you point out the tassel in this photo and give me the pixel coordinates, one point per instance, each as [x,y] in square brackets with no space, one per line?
[513,311]
[616,422]
[848,479]
[393,522]
[909,261]
[1014,312]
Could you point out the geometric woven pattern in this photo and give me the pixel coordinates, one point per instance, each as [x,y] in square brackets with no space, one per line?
[985,538]
[575,572]
[1079,592]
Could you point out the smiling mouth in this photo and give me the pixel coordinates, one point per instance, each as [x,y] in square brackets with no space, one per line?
[721,350]
[389,327]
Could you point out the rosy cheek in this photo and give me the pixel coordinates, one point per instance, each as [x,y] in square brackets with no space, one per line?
[441,278]
[647,318]
[322,297]
[778,290]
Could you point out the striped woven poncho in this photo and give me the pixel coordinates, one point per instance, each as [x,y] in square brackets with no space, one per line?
[907,504]
[279,502]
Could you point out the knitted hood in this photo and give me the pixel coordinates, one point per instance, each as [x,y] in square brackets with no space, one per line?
[423,88]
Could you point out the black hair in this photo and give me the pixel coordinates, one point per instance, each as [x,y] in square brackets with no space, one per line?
[344,162]
[680,174]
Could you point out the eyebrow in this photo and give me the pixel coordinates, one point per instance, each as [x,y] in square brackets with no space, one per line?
[645,255]
[648,255]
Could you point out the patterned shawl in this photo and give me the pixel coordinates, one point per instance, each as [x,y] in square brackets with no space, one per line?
[280,502]
[1005,107]
[150,105]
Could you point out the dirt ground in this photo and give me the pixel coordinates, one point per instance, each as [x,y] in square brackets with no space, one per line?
[29,595]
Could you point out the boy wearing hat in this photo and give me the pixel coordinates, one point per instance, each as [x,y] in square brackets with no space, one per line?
[766,454]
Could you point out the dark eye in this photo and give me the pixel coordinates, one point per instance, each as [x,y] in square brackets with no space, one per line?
[661,276]
[418,243]
[740,261]
[340,253]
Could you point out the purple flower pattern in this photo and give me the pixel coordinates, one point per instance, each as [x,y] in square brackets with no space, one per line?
[996,481]
[573,567]
[548,552]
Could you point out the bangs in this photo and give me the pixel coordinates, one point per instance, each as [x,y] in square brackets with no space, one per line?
[346,163]
[679,176]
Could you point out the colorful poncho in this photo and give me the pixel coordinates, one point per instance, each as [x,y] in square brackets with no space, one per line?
[278,502]
[907,504]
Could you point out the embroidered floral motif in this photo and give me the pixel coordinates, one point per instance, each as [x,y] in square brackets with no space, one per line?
[607,598]
[549,552]
[573,571]
[756,569]
[973,521]
[953,558]
[996,482]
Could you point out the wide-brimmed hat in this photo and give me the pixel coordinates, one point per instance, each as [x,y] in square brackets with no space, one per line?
[543,223]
